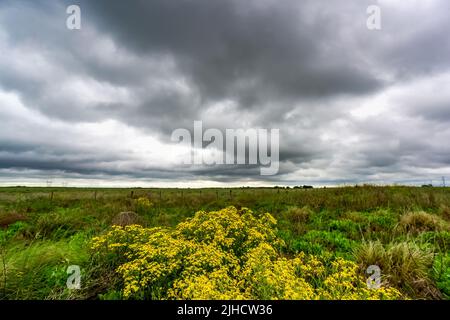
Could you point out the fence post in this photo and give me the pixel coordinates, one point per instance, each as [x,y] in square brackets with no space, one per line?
[160,199]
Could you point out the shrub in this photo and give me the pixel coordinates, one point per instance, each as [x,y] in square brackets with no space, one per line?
[373,222]
[318,241]
[348,227]
[225,254]
[17,229]
[441,273]
[439,239]
[380,220]
[309,247]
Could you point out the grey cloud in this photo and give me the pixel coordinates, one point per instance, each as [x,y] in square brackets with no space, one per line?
[300,66]
[227,46]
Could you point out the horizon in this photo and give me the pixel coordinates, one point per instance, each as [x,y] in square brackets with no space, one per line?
[299,186]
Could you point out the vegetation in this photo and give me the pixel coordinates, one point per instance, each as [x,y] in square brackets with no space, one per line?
[247,243]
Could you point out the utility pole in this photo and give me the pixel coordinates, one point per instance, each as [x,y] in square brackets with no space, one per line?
[443,181]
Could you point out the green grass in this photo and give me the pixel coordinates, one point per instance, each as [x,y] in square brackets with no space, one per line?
[37,270]
[44,230]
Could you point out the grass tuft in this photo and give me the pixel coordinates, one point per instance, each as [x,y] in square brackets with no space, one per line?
[402,264]
[417,222]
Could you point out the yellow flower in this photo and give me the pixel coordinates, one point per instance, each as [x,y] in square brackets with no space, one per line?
[226,254]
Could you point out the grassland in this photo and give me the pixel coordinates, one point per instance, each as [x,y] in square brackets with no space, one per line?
[404,230]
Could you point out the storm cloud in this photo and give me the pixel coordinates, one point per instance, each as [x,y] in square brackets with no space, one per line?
[99,104]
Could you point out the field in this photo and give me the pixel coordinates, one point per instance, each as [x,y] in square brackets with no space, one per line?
[203,243]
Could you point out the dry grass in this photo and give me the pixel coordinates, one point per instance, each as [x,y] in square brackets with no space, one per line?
[402,264]
[417,222]
[298,218]
[299,215]
[126,218]
[354,216]
[444,212]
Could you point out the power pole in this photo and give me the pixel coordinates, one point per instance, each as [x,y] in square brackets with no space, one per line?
[443,182]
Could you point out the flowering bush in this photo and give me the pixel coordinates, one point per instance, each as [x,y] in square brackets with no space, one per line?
[226,254]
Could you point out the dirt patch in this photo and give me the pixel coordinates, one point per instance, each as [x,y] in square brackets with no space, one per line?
[7,219]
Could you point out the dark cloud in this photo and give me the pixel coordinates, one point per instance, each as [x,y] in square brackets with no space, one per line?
[249,52]
[88,101]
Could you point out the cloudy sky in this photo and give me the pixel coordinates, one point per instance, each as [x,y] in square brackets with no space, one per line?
[97,106]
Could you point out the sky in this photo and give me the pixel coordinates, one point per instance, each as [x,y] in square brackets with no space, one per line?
[97,106]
